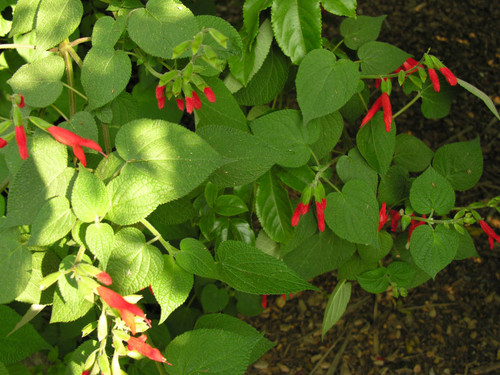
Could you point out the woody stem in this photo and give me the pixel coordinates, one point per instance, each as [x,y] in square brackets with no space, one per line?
[171,250]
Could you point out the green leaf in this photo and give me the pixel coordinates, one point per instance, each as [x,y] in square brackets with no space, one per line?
[174,212]
[249,157]
[267,83]
[133,197]
[284,130]
[177,159]
[481,95]
[15,269]
[89,197]
[401,274]
[354,267]
[55,21]
[433,249]
[234,44]
[244,67]
[40,81]
[133,264]
[225,110]
[24,16]
[77,359]
[461,163]
[432,192]
[340,7]
[374,281]
[360,30]
[99,238]
[83,124]
[436,104]
[370,253]
[42,176]
[105,74]
[376,144]
[296,178]
[466,248]
[331,127]
[273,208]
[69,311]
[320,253]
[251,12]
[411,153]
[336,306]
[230,205]
[229,323]
[380,58]
[249,270]
[161,26]
[213,299]
[54,220]
[353,167]
[171,287]
[323,84]
[394,185]
[353,213]
[195,258]
[296,26]
[213,351]
[107,31]
[20,344]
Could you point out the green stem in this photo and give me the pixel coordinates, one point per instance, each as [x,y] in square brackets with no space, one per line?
[107,138]
[315,157]
[13,46]
[338,45]
[80,40]
[60,112]
[75,56]
[68,63]
[332,185]
[408,105]
[79,255]
[171,250]
[75,91]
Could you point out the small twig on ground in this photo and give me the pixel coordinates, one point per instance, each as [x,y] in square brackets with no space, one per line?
[338,356]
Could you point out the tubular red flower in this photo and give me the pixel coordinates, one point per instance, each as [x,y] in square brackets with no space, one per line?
[161,102]
[371,112]
[104,278]
[492,236]
[159,92]
[395,217]
[21,103]
[196,101]
[264,301]
[139,345]
[413,225]
[180,104]
[450,77]
[320,214]
[3,143]
[383,216]
[86,372]
[409,64]
[128,311]
[69,138]
[386,105]
[209,94]
[189,105]
[434,79]
[21,142]
[300,210]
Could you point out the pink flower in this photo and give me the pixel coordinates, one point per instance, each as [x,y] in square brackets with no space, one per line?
[69,138]
[139,345]
[320,213]
[209,94]
[180,104]
[104,278]
[382,216]
[492,236]
[301,209]
[434,79]
[450,77]
[21,141]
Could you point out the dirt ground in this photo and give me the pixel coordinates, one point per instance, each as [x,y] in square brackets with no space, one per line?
[450,325]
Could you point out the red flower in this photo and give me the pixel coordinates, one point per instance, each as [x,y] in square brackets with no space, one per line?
[434,79]
[21,103]
[161,102]
[409,64]
[21,141]
[264,301]
[209,94]
[450,77]
[160,96]
[301,209]
[384,102]
[382,216]
[492,236]
[86,372]
[284,296]
[71,139]
[196,101]
[189,105]
[139,345]
[386,106]
[128,311]
[320,213]
[180,104]
[395,217]
[413,225]
[3,143]
[104,278]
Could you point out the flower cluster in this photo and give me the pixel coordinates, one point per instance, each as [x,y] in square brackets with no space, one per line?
[192,101]
[303,209]
[492,236]
[432,64]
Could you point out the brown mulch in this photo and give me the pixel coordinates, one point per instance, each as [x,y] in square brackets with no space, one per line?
[450,325]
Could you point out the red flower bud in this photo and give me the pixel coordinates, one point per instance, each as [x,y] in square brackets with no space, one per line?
[21,142]
[382,216]
[159,92]
[180,104]
[86,372]
[161,102]
[3,143]
[196,101]
[104,278]
[21,103]
[434,79]
[320,214]
[264,301]
[300,210]
[371,112]
[395,217]
[492,236]
[189,105]
[139,345]
[450,77]
[209,94]
[386,105]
